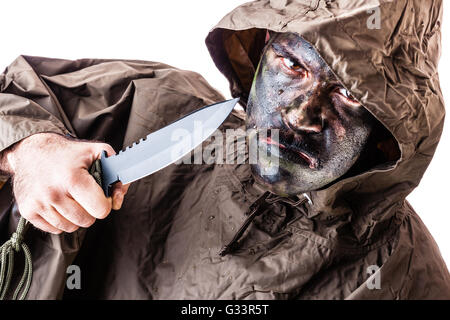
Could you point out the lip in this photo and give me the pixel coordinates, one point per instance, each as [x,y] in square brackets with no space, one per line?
[292,153]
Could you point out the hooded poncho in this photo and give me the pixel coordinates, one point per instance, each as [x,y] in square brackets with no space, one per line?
[164,242]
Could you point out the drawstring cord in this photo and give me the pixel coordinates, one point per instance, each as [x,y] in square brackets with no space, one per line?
[7,263]
[255,210]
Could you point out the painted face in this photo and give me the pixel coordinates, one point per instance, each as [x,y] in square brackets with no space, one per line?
[322,128]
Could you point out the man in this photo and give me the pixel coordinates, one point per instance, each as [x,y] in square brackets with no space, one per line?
[322,128]
[359,115]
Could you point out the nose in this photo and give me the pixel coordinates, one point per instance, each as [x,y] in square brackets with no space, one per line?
[307,116]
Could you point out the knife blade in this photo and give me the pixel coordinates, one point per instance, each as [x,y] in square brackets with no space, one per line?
[160,148]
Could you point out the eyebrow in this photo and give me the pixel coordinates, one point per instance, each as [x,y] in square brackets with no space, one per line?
[287,53]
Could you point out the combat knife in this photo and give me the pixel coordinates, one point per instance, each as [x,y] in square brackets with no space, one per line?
[160,148]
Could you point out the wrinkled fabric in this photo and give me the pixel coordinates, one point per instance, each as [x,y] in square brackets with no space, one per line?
[392,71]
[165,240]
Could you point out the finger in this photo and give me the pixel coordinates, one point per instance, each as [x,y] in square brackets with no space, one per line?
[74,213]
[95,151]
[122,188]
[37,221]
[54,218]
[98,148]
[89,195]
[118,194]
[125,187]
[32,216]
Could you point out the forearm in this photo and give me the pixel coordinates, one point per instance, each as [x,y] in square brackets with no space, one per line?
[6,167]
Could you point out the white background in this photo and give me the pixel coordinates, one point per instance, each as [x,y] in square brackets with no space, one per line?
[173,32]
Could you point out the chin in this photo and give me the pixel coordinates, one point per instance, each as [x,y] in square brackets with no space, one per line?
[277,184]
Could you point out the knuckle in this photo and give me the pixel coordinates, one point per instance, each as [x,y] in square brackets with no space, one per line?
[58,224]
[51,229]
[73,179]
[27,213]
[88,222]
[41,226]
[38,225]
[82,220]
[104,211]
[107,148]
[72,229]
[30,209]
[35,222]
[66,227]
[56,221]
[54,195]
[102,214]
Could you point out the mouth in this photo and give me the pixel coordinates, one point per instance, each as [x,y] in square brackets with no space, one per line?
[289,150]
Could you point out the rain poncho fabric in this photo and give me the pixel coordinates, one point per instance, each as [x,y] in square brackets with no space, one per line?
[164,242]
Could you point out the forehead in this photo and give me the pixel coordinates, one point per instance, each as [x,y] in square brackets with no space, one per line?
[302,50]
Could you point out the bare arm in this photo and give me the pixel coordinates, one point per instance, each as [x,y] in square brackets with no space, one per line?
[51,184]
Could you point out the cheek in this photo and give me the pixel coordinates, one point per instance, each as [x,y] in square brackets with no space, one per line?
[267,94]
[337,125]
[346,122]
[293,97]
[339,129]
[273,91]
[277,86]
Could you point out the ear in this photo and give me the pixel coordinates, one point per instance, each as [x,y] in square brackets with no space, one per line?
[267,36]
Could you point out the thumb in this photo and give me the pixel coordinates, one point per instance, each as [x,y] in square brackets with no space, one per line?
[118,194]
[119,190]
[98,148]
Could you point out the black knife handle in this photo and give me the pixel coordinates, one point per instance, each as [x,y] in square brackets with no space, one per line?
[96,172]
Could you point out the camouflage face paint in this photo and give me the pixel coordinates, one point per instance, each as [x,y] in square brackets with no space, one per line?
[322,128]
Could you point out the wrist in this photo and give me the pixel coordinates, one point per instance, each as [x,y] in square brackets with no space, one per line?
[9,156]
[5,167]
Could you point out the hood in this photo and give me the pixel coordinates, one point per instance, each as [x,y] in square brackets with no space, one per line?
[392,71]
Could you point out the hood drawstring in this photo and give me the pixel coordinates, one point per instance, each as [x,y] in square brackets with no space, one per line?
[253,211]
[308,198]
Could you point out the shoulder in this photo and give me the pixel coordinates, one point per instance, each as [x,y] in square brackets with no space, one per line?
[89,78]
[425,274]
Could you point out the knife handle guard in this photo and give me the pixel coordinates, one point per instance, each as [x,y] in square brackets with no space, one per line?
[96,172]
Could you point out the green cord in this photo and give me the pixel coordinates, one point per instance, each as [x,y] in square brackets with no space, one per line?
[16,244]
[7,258]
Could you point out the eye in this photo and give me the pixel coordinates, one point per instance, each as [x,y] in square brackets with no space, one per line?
[291,64]
[292,67]
[349,99]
